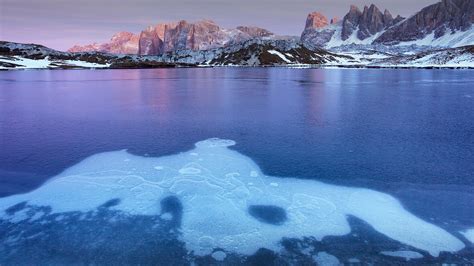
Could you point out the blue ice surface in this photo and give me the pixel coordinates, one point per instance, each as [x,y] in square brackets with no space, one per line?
[405,132]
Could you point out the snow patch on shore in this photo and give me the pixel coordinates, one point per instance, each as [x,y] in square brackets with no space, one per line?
[26,63]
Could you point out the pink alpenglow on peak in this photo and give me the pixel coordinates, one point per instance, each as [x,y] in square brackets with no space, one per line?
[174,36]
[200,35]
[316,20]
[120,43]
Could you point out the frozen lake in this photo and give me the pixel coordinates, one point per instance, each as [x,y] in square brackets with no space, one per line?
[237,165]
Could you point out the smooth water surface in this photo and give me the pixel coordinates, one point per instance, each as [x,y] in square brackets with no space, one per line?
[407,133]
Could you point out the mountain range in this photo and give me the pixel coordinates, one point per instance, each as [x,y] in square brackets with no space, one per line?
[439,35]
[448,23]
[175,36]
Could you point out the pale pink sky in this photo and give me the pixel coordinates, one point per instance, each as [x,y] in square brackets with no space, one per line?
[60,24]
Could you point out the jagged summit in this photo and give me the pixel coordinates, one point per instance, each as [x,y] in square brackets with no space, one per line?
[365,23]
[316,20]
[173,36]
[448,23]
[440,19]
[120,43]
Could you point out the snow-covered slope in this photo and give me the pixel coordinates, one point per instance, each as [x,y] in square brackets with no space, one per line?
[33,56]
[461,57]
[255,52]
[448,40]
[19,62]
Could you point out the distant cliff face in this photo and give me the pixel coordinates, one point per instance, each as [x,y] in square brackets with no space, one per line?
[442,18]
[150,41]
[317,30]
[316,20]
[174,36]
[120,43]
[201,35]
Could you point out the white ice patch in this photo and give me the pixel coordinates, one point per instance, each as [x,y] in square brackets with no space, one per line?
[219,255]
[469,235]
[325,259]
[214,191]
[408,255]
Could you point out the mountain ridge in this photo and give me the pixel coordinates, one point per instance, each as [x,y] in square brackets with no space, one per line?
[447,18]
[173,36]
[448,23]
[250,53]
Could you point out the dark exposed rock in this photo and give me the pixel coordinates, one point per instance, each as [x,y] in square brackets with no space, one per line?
[441,18]
[398,19]
[350,22]
[373,21]
[367,23]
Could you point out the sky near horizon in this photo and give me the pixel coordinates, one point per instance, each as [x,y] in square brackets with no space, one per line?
[60,24]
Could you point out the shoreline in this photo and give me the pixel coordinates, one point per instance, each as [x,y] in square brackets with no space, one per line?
[244,66]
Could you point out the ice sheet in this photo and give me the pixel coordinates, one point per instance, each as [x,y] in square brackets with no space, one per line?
[216,186]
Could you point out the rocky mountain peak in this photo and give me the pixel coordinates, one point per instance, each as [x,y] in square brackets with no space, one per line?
[367,23]
[255,31]
[200,35]
[316,32]
[120,43]
[122,36]
[354,9]
[373,21]
[350,22]
[442,18]
[316,20]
